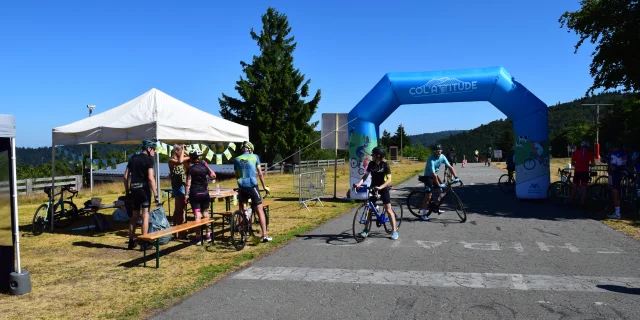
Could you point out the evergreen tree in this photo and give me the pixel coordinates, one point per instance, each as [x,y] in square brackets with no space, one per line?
[272,95]
[385,140]
[395,140]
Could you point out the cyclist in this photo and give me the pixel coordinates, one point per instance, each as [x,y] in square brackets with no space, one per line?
[197,190]
[511,162]
[431,180]
[581,160]
[489,157]
[475,155]
[245,166]
[617,162]
[178,165]
[139,181]
[380,179]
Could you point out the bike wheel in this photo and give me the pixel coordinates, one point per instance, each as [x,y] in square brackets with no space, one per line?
[64,218]
[415,199]
[40,219]
[529,164]
[238,234]
[457,205]
[360,223]
[558,192]
[597,199]
[396,206]
[354,162]
[602,180]
[505,185]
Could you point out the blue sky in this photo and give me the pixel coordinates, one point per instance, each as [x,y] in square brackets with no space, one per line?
[59,56]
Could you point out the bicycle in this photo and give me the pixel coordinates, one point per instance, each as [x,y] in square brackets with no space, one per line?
[361,217]
[507,183]
[530,163]
[415,200]
[63,211]
[240,223]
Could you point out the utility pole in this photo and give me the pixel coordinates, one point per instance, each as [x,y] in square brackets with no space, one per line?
[596,148]
[401,134]
[91,107]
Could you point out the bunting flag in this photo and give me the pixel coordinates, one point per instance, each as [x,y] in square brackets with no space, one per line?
[232,146]
[104,164]
[227,154]
[210,155]
[218,159]
[203,147]
[196,147]
[113,163]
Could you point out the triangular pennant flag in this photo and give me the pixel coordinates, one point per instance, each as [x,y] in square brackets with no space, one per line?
[196,147]
[113,163]
[210,155]
[203,147]
[227,154]
[218,159]
[188,148]
[232,146]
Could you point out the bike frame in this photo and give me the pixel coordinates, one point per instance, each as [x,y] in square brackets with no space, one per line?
[381,218]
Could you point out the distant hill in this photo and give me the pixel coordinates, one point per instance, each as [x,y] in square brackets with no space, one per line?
[428,139]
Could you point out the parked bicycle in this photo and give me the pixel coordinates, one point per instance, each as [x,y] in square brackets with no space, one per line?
[507,183]
[415,199]
[63,212]
[240,223]
[361,217]
[530,163]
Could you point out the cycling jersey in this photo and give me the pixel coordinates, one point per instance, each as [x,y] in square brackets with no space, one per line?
[582,158]
[198,173]
[379,172]
[619,160]
[433,164]
[245,166]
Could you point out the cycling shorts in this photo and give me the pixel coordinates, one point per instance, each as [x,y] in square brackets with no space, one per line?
[141,198]
[252,193]
[199,199]
[385,196]
[430,184]
[581,178]
[614,180]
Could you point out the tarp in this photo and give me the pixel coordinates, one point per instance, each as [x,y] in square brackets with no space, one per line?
[7,126]
[154,115]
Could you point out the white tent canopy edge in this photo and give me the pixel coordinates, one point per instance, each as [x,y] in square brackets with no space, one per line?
[153,115]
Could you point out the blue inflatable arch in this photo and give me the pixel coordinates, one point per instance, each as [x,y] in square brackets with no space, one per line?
[495,85]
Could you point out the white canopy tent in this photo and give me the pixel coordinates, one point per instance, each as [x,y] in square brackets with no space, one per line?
[154,115]
[8,130]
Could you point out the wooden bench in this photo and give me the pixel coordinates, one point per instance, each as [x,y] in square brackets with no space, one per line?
[150,237]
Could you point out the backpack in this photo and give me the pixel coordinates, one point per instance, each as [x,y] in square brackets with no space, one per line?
[101,222]
[158,221]
[121,215]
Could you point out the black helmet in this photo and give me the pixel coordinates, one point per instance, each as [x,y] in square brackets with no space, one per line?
[378,151]
[436,147]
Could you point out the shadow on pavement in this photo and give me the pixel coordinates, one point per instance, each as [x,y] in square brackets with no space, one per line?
[619,289]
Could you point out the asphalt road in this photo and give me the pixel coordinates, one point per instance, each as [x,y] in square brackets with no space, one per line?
[512,259]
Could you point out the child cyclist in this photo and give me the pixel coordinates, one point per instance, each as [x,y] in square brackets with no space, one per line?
[380,179]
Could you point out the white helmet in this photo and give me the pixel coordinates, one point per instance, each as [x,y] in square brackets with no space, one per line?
[195,153]
[584,144]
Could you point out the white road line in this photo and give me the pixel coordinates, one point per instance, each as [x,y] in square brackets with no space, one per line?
[521,282]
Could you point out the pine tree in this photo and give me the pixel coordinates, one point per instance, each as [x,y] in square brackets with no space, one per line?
[272,101]
[385,140]
[396,141]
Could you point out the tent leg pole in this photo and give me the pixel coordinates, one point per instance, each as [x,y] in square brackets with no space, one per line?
[14,202]
[53,174]
[158,193]
[91,168]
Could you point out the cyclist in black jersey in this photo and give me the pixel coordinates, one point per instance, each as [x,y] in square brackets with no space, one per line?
[380,178]
[197,190]
[139,182]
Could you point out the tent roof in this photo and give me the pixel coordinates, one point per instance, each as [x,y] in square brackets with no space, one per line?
[7,126]
[153,115]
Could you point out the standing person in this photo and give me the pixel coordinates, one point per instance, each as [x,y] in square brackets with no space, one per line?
[380,179]
[581,160]
[489,157]
[197,190]
[475,155]
[139,182]
[432,181]
[178,165]
[454,158]
[617,162]
[511,162]
[245,166]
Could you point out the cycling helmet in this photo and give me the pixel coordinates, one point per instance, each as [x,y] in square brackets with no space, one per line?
[149,144]
[378,151]
[195,153]
[584,144]
[436,147]
[247,145]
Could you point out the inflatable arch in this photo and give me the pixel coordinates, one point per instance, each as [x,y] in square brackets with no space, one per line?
[495,85]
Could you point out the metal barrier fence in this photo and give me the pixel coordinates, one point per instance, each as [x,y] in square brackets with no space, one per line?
[298,170]
[311,186]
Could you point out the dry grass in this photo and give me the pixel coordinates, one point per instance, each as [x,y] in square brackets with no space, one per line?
[92,275]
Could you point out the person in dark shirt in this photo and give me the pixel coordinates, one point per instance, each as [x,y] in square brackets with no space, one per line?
[380,179]
[139,182]
[198,188]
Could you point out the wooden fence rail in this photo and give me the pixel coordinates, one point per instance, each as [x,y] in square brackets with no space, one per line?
[31,186]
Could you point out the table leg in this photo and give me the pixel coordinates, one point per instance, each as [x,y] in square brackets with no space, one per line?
[169,201]
[212,234]
[157,253]
[144,250]
[201,236]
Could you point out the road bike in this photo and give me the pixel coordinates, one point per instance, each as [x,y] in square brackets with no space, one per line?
[530,163]
[63,212]
[415,200]
[240,222]
[361,221]
[507,183]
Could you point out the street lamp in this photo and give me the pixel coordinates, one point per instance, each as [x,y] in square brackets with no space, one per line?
[596,147]
[91,107]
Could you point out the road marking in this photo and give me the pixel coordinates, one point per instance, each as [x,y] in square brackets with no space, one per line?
[521,282]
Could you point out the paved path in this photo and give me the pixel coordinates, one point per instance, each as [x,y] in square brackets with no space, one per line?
[512,259]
